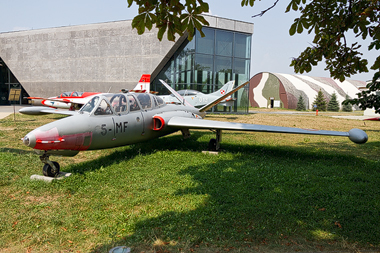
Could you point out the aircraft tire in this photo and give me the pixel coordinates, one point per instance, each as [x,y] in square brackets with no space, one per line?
[48,171]
[212,145]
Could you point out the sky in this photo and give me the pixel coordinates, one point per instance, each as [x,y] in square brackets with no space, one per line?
[272,46]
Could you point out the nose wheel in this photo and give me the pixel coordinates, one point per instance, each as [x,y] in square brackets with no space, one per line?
[50,169]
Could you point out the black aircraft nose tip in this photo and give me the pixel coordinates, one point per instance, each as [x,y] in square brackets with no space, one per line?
[26,140]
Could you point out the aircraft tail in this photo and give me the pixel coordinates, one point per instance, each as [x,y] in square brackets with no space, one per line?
[218,100]
[143,86]
[176,94]
[224,90]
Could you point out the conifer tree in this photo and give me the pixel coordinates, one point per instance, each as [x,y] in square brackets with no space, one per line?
[301,104]
[333,105]
[347,107]
[320,102]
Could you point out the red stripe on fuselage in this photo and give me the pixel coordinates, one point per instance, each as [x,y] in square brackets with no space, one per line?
[51,140]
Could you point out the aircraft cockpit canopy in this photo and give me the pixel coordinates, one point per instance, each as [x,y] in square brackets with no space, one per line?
[71,94]
[121,103]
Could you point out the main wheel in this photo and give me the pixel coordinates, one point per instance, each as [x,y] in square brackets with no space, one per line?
[48,171]
[212,145]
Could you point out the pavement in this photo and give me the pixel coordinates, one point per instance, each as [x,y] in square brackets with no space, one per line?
[6,110]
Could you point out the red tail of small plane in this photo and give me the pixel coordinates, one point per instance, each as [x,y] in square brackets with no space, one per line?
[143,86]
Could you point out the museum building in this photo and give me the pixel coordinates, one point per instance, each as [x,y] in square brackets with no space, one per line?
[108,57]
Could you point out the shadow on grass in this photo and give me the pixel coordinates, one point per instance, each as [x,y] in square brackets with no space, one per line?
[17,151]
[173,142]
[284,196]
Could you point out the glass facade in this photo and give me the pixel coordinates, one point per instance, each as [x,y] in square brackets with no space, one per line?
[207,63]
[7,82]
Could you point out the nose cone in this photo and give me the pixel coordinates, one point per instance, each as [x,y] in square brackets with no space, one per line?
[29,140]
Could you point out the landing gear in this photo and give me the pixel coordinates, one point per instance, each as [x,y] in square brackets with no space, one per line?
[214,144]
[50,169]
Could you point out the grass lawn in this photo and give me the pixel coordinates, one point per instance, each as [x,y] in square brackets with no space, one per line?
[262,192]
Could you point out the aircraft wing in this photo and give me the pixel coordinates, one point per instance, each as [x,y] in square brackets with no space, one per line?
[41,110]
[355,135]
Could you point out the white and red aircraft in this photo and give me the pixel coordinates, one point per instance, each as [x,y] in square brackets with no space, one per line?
[198,99]
[74,100]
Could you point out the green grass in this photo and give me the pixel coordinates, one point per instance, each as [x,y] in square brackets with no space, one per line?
[263,192]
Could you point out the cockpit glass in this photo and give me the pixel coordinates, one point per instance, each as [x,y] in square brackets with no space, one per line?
[160,101]
[103,109]
[145,101]
[133,105]
[65,94]
[119,103]
[90,105]
[77,94]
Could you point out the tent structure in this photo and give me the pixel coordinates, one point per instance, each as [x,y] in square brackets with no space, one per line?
[283,90]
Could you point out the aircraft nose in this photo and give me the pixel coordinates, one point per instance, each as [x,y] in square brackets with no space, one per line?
[29,140]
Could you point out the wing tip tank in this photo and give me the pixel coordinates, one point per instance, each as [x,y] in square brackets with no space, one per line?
[358,136]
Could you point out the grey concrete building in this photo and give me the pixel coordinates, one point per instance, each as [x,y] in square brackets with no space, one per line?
[107,57]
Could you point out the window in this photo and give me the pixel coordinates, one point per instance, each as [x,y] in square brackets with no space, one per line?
[242,46]
[160,101]
[103,109]
[133,105]
[224,43]
[119,103]
[145,101]
[207,63]
[205,45]
[90,105]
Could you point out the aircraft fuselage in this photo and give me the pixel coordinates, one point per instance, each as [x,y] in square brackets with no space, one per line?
[92,130]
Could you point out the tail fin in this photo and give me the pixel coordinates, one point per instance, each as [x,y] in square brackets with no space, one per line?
[216,101]
[143,85]
[225,89]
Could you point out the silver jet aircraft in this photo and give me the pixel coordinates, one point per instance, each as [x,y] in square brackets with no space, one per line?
[113,120]
[197,98]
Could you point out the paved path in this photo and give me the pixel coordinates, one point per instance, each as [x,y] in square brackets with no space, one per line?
[6,110]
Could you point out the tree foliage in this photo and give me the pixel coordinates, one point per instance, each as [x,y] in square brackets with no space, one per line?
[301,104]
[333,105]
[320,102]
[330,21]
[170,16]
[347,107]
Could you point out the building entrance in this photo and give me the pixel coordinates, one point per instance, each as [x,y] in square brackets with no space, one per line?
[7,82]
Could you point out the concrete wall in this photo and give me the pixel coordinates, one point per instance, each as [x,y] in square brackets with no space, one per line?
[96,57]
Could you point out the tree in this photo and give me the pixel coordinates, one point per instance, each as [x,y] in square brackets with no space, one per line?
[329,21]
[347,107]
[301,104]
[172,17]
[333,105]
[320,102]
